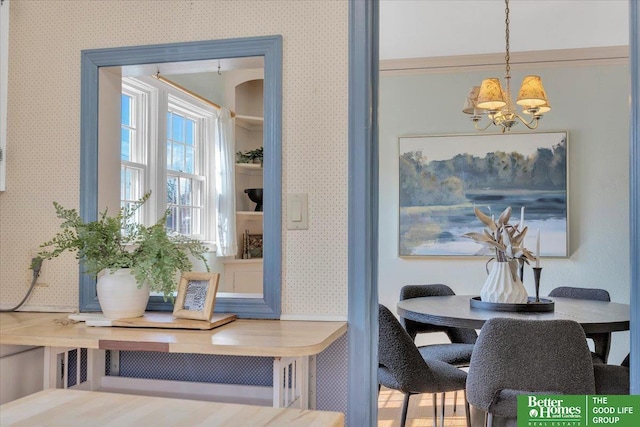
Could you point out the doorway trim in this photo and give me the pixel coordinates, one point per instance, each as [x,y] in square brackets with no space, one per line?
[363,214]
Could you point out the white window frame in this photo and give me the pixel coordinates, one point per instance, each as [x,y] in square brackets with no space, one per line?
[145,123]
[159,98]
[198,177]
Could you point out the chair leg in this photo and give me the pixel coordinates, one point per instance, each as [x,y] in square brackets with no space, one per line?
[435,409]
[467,409]
[405,409]
[489,419]
[455,401]
[442,411]
[486,419]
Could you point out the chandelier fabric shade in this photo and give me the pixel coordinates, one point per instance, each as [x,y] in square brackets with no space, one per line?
[496,103]
[491,95]
[532,92]
[470,106]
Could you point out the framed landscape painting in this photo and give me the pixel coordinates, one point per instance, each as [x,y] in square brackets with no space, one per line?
[442,179]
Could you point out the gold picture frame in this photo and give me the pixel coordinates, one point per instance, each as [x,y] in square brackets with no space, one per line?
[196,296]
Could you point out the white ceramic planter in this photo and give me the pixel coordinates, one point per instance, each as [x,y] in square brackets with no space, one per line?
[501,286]
[119,295]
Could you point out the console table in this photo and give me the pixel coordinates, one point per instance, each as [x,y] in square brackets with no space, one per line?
[57,407]
[293,345]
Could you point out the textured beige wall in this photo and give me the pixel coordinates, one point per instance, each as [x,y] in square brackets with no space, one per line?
[46,38]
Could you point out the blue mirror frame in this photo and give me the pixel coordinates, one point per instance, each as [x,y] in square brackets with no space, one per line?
[270,47]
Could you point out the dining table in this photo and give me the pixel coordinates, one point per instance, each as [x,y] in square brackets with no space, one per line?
[595,317]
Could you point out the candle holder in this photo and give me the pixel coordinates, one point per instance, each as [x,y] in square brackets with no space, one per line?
[536,278]
[521,270]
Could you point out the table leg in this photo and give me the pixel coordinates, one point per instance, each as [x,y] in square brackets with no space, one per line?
[53,367]
[56,365]
[56,368]
[95,367]
[294,383]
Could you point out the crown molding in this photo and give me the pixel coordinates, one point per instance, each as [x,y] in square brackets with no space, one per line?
[518,60]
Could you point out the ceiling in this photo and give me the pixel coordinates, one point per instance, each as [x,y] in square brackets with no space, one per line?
[431,28]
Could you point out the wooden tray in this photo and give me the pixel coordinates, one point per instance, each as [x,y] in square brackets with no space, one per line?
[154,319]
[545,305]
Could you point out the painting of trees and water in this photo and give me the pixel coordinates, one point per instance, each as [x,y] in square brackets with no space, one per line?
[442,178]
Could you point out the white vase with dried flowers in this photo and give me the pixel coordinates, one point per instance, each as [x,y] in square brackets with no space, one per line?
[503,284]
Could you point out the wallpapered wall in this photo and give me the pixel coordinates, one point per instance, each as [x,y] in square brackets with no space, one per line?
[598,153]
[46,38]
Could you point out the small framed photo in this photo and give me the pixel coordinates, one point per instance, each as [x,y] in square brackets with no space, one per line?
[196,296]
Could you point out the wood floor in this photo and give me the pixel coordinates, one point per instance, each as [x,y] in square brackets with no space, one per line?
[420,410]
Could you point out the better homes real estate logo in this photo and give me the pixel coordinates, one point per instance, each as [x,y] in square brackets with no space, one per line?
[553,409]
[578,411]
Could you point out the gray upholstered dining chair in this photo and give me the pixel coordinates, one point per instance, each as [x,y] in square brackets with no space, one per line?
[456,353]
[456,335]
[514,357]
[612,379]
[401,366]
[601,341]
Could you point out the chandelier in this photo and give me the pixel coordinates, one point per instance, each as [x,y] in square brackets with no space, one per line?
[492,100]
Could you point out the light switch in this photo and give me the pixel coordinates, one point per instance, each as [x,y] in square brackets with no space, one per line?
[297,212]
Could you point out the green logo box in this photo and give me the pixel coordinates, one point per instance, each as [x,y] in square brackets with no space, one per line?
[578,411]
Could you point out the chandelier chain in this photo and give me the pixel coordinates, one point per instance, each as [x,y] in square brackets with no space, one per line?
[506,36]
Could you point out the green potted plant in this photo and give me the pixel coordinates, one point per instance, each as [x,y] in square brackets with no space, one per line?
[251,156]
[120,251]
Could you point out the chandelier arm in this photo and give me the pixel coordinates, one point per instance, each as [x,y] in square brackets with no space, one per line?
[490,122]
[531,124]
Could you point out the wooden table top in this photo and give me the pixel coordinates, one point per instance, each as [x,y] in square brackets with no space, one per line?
[20,318]
[68,408]
[455,310]
[269,338]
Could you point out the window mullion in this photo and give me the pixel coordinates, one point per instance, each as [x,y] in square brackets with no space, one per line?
[159,153]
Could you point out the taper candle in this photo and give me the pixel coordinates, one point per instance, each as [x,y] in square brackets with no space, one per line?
[538,250]
[521,218]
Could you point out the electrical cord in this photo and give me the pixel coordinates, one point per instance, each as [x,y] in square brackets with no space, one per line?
[36,266]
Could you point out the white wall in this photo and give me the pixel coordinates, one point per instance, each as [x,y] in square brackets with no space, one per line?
[591,104]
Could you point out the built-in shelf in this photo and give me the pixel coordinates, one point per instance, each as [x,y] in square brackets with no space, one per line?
[247,98]
[249,122]
[249,214]
[243,261]
[257,166]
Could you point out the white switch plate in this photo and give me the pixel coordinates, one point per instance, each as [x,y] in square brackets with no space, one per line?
[297,211]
